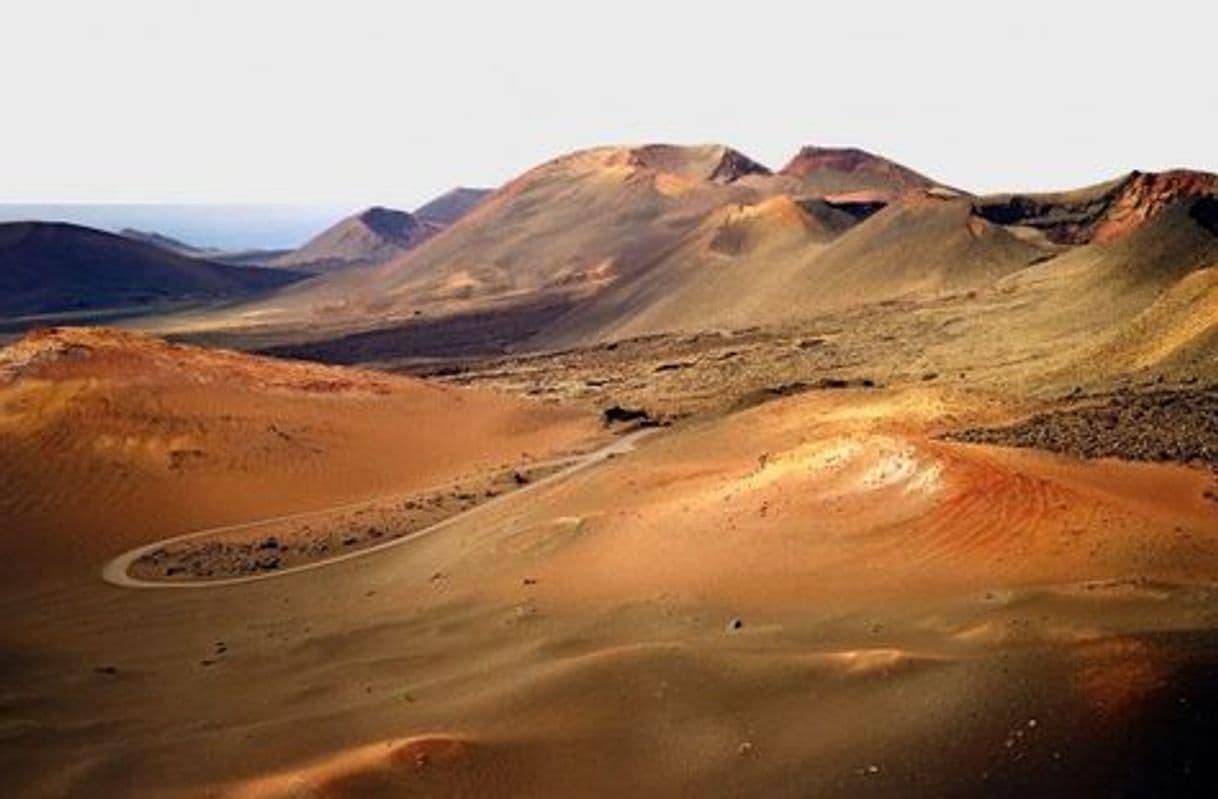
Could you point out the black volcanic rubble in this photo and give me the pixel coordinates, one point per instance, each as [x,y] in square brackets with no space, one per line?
[1176,425]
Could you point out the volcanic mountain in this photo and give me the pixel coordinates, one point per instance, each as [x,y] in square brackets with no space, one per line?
[51,267]
[569,226]
[371,237]
[824,171]
[628,241]
[774,263]
[378,235]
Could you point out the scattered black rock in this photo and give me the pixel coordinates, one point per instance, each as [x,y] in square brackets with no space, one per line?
[799,387]
[1177,425]
[616,413]
[107,670]
[834,383]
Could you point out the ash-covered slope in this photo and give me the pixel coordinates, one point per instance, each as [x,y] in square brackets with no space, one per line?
[775,262]
[570,226]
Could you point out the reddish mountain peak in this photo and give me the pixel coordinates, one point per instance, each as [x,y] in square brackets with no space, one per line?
[1101,213]
[1144,194]
[852,160]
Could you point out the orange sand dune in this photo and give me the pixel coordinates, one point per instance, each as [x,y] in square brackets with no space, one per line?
[813,597]
[412,766]
[820,496]
[110,439]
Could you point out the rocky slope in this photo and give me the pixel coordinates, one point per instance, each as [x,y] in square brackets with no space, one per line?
[1100,213]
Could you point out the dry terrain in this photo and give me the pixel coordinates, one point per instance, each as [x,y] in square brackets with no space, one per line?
[816,595]
[656,473]
[112,440]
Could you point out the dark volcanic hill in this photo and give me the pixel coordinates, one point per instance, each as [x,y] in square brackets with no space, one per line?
[51,267]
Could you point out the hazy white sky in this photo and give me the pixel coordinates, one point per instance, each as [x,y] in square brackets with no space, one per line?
[393,102]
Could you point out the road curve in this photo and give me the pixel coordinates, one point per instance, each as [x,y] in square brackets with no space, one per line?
[116,571]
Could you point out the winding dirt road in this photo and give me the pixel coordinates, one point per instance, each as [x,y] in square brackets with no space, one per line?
[116,572]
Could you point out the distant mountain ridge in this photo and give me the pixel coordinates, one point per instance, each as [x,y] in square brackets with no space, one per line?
[619,242]
[633,241]
[165,242]
[370,237]
[228,227]
[378,234]
[53,267]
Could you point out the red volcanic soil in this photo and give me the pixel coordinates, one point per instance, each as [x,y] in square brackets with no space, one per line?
[810,160]
[1145,194]
[1102,213]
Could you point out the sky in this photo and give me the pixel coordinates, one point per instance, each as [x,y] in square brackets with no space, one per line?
[357,103]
